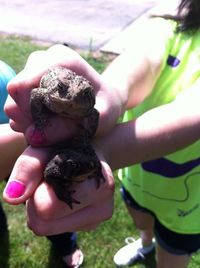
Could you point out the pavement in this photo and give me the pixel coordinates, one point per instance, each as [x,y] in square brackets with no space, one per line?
[104,25]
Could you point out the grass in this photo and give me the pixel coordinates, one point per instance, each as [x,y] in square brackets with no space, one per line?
[19,247]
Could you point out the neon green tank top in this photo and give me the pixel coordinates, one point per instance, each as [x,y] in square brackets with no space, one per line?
[170,186]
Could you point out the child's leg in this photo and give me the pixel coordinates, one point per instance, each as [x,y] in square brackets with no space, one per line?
[64,243]
[136,250]
[144,223]
[66,246]
[168,260]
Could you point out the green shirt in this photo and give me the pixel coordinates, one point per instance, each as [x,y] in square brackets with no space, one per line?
[170,186]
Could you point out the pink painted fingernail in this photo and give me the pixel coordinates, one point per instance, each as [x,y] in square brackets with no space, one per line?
[15,189]
[37,137]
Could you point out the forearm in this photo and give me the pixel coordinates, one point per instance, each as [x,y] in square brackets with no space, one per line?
[134,73]
[158,132]
[12,144]
[131,77]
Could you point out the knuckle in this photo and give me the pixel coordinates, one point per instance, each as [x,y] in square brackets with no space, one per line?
[109,186]
[108,214]
[105,211]
[37,227]
[43,204]
[14,126]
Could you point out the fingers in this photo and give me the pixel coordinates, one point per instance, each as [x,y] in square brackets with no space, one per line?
[57,129]
[19,88]
[70,59]
[18,119]
[85,219]
[86,193]
[47,215]
[26,175]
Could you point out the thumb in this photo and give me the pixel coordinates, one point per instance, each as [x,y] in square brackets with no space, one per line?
[26,175]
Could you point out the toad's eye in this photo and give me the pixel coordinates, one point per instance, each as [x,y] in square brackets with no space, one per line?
[62,88]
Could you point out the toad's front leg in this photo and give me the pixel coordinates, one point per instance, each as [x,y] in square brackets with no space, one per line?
[39,108]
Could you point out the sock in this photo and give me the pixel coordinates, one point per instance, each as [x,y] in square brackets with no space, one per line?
[147,249]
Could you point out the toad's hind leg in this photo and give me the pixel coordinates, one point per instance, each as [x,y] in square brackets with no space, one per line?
[91,123]
[65,194]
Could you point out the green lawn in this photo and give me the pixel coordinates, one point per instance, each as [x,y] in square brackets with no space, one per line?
[19,247]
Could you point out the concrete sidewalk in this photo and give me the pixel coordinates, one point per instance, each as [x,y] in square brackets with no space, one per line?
[84,24]
[126,38]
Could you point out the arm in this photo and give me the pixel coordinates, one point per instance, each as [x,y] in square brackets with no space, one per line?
[158,132]
[17,106]
[124,84]
[12,144]
[133,74]
[115,91]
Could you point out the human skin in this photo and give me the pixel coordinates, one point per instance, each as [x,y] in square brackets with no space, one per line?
[37,64]
[12,144]
[34,160]
[147,137]
[158,132]
[142,141]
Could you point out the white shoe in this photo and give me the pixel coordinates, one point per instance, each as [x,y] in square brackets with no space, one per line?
[132,252]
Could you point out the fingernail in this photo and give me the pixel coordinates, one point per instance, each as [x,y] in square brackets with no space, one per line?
[37,137]
[15,189]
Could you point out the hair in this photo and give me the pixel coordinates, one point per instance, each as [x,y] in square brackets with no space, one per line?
[188,16]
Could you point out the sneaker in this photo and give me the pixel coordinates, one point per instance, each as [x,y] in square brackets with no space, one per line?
[132,252]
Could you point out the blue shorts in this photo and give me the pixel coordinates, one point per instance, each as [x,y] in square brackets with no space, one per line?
[174,243]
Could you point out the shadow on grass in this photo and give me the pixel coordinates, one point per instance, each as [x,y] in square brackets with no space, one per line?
[150,260]
[4,240]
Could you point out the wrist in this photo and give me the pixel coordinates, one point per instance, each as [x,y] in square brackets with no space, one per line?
[111,106]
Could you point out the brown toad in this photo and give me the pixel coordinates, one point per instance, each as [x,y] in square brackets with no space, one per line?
[65,93]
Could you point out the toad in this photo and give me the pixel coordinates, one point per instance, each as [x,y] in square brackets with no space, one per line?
[67,94]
